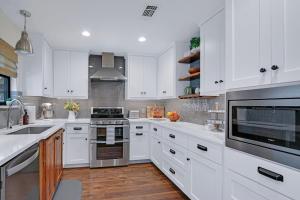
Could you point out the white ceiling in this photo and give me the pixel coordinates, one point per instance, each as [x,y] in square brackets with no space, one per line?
[115,25]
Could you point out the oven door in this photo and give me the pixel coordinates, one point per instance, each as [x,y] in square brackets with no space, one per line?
[106,155]
[273,123]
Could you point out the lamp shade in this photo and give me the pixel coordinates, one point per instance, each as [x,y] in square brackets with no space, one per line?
[24,46]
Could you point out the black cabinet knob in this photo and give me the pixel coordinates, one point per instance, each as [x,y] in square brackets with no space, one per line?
[262,70]
[274,67]
[221,81]
[188,159]
[216,82]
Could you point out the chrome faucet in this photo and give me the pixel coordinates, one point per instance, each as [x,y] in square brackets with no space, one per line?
[9,122]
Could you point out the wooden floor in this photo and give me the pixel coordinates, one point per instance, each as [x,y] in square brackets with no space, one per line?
[136,182]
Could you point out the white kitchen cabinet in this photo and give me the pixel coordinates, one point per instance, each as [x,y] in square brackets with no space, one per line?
[212,34]
[169,71]
[205,178]
[141,73]
[77,149]
[156,151]
[139,146]
[262,42]
[37,72]
[237,187]
[70,74]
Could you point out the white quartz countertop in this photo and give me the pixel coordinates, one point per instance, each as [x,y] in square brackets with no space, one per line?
[12,145]
[191,129]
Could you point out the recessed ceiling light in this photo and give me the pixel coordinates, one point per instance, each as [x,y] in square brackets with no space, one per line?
[85,33]
[142,39]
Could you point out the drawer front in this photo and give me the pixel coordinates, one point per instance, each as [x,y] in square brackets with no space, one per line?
[206,149]
[175,153]
[272,175]
[177,175]
[139,146]
[176,137]
[156,130]
[77,128]
[139,127]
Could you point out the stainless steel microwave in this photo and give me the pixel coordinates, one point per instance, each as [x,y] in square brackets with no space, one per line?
[265,123]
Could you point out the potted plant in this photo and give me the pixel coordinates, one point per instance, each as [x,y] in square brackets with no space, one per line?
[195,44]
[73,109]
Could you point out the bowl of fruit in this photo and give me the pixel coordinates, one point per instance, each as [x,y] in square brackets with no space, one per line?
[173,116]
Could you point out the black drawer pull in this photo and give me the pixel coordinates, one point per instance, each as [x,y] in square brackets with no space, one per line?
[155,129]
[139,134]
[203,148]
[270,174]
[172,171]
[77,128]
[172,136]
[172,151]
[139,127]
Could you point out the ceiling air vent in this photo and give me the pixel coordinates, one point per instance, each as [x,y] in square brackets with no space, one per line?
[149,11]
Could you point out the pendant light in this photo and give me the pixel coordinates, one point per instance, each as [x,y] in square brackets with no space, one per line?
[24,46]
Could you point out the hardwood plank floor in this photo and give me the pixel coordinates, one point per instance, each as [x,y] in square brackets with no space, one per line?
[135,182]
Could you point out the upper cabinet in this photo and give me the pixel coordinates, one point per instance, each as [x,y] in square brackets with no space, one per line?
[37,72]
[262,42]
[141,74]
[70,74]
[212,34]
[169,71]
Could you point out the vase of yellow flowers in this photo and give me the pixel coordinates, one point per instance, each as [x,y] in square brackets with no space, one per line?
[73,109]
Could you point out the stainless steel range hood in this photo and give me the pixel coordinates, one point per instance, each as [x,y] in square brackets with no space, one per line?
[108,72]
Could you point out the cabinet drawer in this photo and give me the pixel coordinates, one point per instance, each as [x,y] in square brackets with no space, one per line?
[176,137]
[175,153]
[206,149]
[264,172]
[139,127]
[77,128]
[156,130]
[177,175]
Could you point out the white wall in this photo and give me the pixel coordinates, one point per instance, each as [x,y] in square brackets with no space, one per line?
[11,34]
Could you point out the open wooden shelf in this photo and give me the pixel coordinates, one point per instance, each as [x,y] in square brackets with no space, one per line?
[195,96]
[190,58]
[190,77]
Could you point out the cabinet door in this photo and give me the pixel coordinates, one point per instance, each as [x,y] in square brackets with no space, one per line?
[166,74]
[75,142]
[135,77]
[139,146]
[58,156]
[237,187]
[149,77]
[78,70]
[61,64]
[212,55]
[285,41]
[248,46]
[156,151]
[205,179]
[50,168]
[47,71]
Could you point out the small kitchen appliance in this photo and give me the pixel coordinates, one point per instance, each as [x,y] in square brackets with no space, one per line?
[47,111]
[109,139]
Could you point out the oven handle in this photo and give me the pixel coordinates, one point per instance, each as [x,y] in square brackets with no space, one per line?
[104,142]
[19,167]
[109,126]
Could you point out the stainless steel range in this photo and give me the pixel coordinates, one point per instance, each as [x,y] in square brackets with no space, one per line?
[109,140]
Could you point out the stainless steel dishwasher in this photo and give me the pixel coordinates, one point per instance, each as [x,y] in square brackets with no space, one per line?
[20,176]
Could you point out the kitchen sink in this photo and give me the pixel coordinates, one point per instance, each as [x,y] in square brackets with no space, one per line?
[30,130]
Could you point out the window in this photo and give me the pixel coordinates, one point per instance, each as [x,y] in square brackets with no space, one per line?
[4,89]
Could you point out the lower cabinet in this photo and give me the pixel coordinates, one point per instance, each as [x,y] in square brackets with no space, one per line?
[156,151]
[139,145]
[237,187]
[77,149]
[205,178]
[50,165]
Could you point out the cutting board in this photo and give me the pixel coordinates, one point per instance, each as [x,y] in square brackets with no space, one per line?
[155,111]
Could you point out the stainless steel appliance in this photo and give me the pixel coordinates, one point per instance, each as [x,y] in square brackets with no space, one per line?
[47,111]
[109,139]
[20,176]
[266,123]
